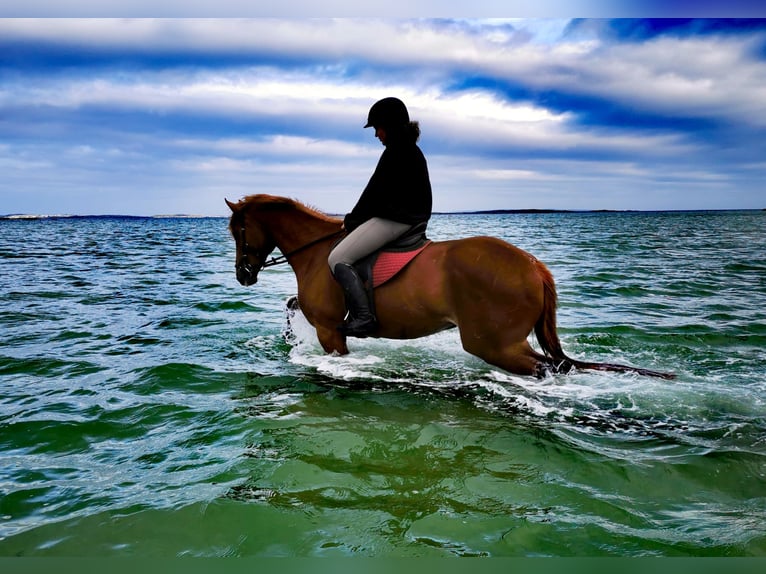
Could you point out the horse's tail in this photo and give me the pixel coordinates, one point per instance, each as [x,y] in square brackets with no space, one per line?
[545,328]
[547,336]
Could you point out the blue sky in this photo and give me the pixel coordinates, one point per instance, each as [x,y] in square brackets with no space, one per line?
[143,117]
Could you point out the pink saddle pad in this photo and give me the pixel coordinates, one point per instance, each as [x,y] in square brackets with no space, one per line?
[389,263]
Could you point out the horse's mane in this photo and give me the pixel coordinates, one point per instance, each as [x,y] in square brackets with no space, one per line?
[264,202]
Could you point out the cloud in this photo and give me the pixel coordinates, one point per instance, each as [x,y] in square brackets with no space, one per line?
[549,112]
[260,95]
[718,74]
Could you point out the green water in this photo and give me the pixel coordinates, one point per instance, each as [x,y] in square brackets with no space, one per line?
[151,406]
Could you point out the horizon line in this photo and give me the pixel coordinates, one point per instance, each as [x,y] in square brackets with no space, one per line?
[528,211]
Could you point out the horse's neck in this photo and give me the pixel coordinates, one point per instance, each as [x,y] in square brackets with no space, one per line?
[294,230]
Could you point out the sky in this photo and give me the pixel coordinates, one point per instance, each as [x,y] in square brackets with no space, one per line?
[171,116]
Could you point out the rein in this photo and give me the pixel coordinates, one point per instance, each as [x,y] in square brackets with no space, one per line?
[283,258]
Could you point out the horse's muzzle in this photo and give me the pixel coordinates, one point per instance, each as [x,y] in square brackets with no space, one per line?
[246,274]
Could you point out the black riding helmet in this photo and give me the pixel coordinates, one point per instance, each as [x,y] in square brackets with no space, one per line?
[388,112]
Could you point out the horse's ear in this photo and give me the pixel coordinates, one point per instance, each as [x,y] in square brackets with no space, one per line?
[232,206]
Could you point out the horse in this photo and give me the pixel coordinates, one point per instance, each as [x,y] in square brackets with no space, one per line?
[495,293]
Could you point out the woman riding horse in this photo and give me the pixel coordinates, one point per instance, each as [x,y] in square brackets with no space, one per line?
[397,197]
[494,293]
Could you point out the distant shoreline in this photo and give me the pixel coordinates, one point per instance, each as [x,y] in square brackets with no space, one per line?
[537,211]
[24,216]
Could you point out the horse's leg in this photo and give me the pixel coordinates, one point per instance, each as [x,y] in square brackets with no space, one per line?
[332,340]
[496,306]
[323,307]
[517,357]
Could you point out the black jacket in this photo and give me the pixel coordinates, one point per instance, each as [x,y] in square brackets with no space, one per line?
[399,189]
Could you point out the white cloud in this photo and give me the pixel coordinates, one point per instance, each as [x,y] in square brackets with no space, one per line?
[472,118]
[511,147]
[701,76]
[281,146]
[711,77]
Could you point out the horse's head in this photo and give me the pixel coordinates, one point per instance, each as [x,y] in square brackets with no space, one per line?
[253,243]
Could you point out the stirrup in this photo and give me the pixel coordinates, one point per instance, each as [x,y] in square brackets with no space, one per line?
[354,327]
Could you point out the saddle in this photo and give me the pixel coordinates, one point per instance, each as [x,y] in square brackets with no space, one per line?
[384,264]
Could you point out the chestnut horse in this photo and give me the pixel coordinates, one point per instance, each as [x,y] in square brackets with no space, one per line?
[495,293]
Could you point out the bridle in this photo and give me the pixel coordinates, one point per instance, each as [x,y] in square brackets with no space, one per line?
[245,265]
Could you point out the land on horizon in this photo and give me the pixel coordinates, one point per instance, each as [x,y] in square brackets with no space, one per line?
[478,212]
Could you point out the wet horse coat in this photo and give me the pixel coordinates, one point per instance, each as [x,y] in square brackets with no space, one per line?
[495,293]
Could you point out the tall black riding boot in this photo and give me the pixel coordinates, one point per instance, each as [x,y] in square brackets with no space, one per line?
[361,320]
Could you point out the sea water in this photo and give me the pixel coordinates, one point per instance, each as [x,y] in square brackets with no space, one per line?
[152,406]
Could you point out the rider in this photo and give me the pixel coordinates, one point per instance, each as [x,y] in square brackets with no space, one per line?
[397,197]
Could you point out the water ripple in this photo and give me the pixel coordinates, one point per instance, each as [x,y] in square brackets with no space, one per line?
[144,392]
